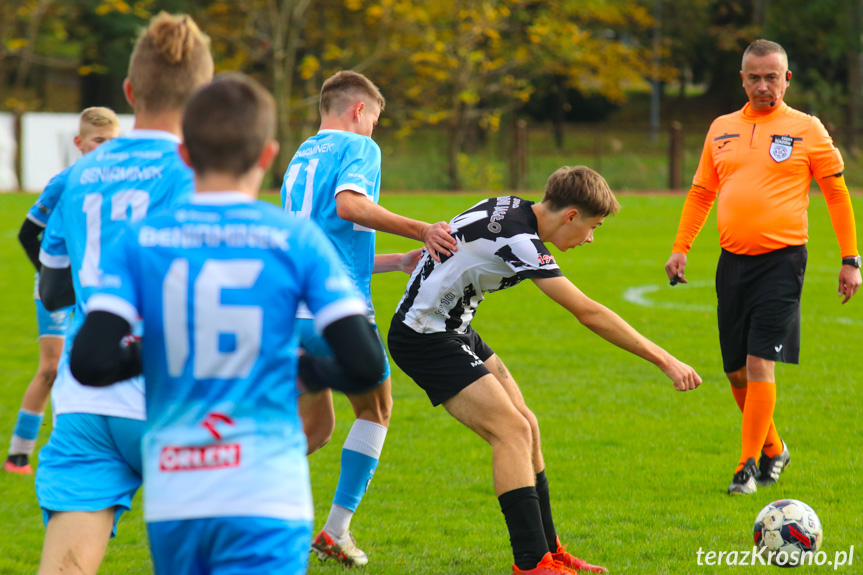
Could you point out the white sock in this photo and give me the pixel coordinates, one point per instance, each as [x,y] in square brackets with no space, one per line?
[338,522]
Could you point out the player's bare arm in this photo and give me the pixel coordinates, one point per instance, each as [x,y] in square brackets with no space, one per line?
[405,262]
[357,208]
[611,327]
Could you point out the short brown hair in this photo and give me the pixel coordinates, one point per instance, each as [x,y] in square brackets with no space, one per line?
[227,124]
[171,60]
[97,117]
[346,87]
[763,47]
[582,188]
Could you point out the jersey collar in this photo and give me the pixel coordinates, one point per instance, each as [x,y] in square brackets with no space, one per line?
[152,135]
[220,198]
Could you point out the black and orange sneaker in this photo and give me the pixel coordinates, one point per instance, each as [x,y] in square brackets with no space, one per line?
[548,566]
[18,463]
[573,562]
[345,552]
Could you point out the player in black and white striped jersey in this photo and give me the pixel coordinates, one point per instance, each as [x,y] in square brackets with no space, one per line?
[501,241]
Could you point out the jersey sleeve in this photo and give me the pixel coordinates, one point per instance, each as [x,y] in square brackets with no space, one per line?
[47,200]
[824,158]
[118,292]
[327,290]
[529,258]
[54,253]
[360,169]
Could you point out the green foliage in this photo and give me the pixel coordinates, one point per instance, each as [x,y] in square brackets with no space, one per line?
[638,472]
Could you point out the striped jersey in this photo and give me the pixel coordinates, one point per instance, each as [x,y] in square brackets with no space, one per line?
[498,246]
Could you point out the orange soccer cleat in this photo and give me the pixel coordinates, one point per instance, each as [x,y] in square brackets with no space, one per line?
[573,563]
[548,566]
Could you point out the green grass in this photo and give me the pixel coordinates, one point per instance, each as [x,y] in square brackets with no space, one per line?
[638,472]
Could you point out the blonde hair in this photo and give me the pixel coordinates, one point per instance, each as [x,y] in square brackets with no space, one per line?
[171,60]
[346,87]
[582,188]
[97,117]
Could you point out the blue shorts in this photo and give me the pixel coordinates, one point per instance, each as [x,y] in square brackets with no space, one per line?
[315,344]
[91,462]
[230,546]
[52,323]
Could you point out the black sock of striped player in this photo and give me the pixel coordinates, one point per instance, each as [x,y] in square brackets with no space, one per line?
[523,519]
[545,511]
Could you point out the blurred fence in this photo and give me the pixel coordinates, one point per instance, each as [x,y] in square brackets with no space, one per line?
[519,156]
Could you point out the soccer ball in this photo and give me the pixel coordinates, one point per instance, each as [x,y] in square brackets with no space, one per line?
[786,531]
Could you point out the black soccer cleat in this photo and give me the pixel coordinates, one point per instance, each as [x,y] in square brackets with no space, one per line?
[769,468]
[744,480]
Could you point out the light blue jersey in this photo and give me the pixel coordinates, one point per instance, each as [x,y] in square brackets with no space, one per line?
[122,180]
[51,324]
[47,200]
[325,165]
[217,283]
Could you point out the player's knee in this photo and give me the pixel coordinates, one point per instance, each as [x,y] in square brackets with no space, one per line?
[319,436]
[516,431]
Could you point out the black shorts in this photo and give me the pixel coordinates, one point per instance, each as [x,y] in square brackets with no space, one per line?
[443,363]
[759,305]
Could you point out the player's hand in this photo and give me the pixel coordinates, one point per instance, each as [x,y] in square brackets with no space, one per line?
[674,268]
[437,238]
[849,282]
[410,260]
[683,376]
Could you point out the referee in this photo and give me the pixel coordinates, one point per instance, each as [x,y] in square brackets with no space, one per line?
[759,162]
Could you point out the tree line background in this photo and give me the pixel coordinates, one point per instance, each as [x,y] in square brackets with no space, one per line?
[465,71]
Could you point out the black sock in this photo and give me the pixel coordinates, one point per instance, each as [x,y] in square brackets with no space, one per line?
[545,511]
[523,519]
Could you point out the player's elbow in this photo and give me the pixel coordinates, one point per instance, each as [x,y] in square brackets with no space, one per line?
[55,288]
[346,210]
[368,371]
[87,368]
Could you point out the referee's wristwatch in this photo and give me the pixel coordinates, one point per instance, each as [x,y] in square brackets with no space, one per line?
[855,261]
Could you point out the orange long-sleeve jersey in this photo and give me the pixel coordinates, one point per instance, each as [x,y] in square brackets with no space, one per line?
[758,166]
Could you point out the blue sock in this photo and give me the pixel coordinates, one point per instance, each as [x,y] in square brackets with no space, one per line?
[26,431]
[28,424]
[360,456]
[354,479]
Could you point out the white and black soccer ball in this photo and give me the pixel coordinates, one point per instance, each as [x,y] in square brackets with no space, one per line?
[786,531]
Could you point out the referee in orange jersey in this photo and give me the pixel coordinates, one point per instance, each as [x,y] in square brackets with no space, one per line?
[758,162]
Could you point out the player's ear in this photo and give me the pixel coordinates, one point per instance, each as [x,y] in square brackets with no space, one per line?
[268,155]
[358,110]
[77,141]
[184,154]
[570,215]
[127,91]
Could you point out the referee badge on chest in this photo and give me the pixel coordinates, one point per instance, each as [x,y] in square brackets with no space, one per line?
[780,147]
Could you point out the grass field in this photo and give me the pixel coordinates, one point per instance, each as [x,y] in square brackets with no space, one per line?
[638,472]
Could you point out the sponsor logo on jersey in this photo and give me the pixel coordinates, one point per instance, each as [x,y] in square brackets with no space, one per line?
[499,212]
[221,456]
[314,150]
